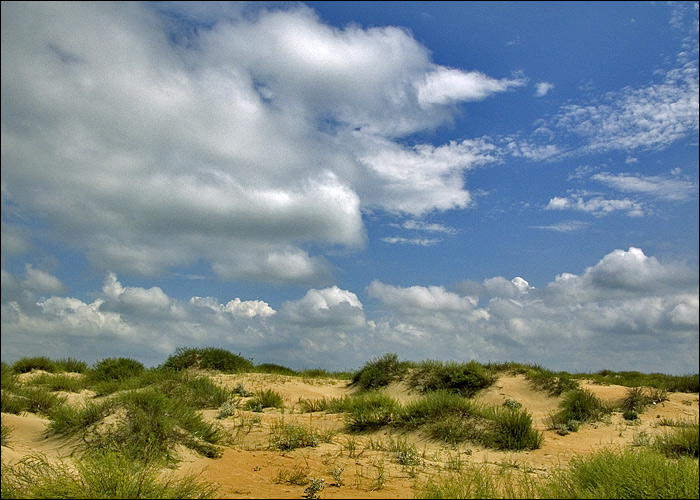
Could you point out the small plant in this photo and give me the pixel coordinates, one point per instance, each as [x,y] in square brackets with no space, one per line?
[379,481]
[239,390]
[316,486]
[296,477]
[336,476]
[288,437]
[5,431]
[680,441]
[229,407]
[512,404]
[630,415]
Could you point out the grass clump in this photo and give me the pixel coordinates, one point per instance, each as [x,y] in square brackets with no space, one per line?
[59,382]
[380,372]
[71,365]
[114,369]
[264,399]
[629,473]
[553,383]
[27,364]
[577,406]
[669,383]
[681,441]
[208,358]
[104,473]
[288,437]
[465,379]
[371,411]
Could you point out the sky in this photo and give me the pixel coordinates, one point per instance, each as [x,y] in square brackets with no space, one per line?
[316,184]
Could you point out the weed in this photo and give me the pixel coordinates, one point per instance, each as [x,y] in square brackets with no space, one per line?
[371,411]
[678,442]
[288,436]
[314,488]
[296,477]
[5,431]
[336,474]
[229,407]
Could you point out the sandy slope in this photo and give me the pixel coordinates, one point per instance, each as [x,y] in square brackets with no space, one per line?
[249,469]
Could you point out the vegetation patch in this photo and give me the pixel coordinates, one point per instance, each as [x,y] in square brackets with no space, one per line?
[208,358]
[464,379]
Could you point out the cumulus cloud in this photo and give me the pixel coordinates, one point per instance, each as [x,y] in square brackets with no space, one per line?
[41,281]
[643,310]
[240,142]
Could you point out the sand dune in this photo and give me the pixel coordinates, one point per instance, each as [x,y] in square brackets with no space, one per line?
[250,469]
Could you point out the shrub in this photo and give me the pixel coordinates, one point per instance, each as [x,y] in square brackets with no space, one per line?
[114,369]
[379,372]
[208,358]
[465,379]
[25,365]
[635,400]
[5,431]
[59,382]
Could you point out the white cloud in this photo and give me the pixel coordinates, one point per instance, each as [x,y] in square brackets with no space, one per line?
[447,85]
[643,310]
[41,281]
[564,227]
[242,144]
[596,205]
[657,186]
[543,88]
[424,242]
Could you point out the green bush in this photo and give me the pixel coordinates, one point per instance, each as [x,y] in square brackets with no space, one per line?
[59,382]
[25,365]
[380,372]
[114,369]
[208,358]
[465,379]
[288,437]
[38,400]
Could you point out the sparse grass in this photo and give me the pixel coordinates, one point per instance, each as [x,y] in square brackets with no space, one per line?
[670,383]
[30,399]
[5,431]
[59,382]
[629,473]
[208,358]
[465,379]
[103,474]
[274,369]
[297,477]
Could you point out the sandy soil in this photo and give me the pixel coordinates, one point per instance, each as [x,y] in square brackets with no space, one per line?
[250,469]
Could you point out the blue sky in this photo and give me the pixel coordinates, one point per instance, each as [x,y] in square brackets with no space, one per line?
[315,184]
